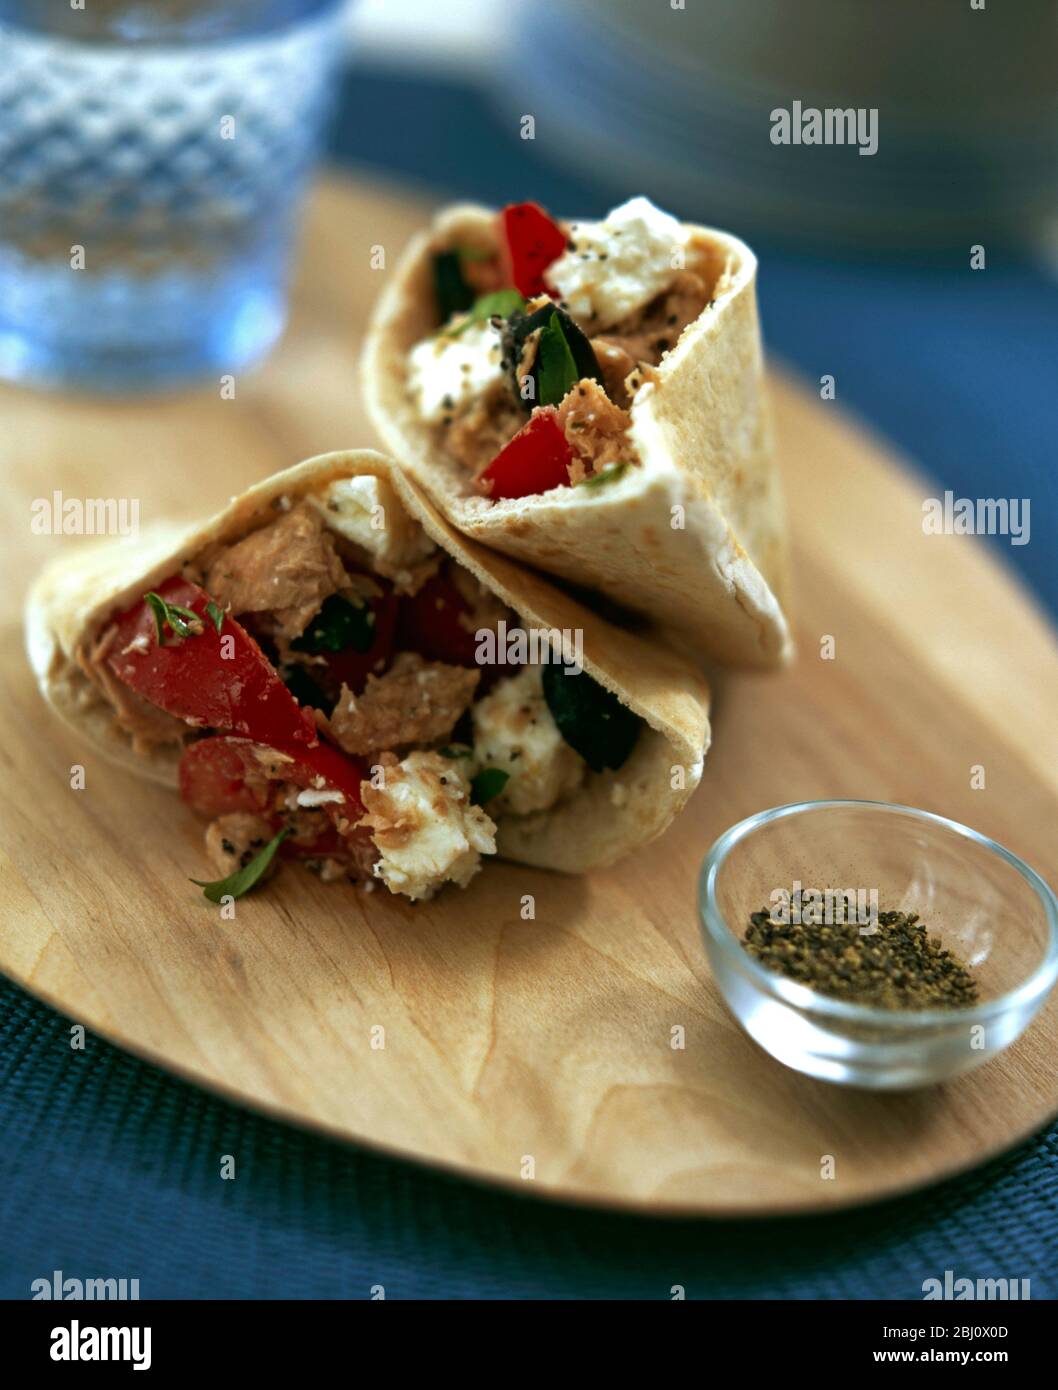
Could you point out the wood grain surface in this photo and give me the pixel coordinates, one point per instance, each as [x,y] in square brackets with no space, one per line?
[507,1039]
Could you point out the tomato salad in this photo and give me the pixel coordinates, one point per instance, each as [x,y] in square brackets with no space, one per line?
[546,334]
[323,682]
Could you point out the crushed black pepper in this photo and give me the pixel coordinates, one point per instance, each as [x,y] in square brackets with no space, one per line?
[899,966]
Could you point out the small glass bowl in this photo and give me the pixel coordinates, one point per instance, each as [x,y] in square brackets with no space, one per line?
[987,906]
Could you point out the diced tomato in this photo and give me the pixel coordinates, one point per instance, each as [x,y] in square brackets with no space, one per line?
[436,623]
[352,667]
[536,459]
[213,777]
[218,680]
[216,780]
[221,775]
[533,242]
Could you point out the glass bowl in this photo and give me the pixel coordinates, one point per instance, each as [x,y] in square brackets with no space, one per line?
[987,906]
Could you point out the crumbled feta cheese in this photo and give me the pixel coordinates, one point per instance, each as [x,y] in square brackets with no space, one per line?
[514,731]
[367,511]
[310,797]
[619,265]
[423,825]
[447,372]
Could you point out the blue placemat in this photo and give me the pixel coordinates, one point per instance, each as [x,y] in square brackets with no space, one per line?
[110,1168]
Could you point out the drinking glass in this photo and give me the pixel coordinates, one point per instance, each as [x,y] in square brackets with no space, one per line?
[153,157]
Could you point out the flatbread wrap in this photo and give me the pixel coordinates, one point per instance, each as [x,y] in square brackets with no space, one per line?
[328,671]
[589,398]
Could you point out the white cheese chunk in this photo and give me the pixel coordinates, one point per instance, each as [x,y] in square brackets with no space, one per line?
[310,797]
[367,511]
[447,372]
[619,265]
[515,732]
[424,826]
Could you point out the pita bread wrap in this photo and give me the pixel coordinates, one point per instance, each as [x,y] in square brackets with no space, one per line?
[701,432]
[609,814]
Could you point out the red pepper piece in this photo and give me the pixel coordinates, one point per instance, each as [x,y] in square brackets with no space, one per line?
[211,681]
[213,778]
[436,623]
[221,775]
[536,459]
[533,242]
[213,781]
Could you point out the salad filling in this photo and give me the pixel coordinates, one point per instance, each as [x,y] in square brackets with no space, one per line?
[320,678]
[546,336]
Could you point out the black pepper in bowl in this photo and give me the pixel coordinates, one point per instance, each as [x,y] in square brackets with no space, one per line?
[898,966]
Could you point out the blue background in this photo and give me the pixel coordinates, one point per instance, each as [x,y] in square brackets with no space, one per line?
[110,1168]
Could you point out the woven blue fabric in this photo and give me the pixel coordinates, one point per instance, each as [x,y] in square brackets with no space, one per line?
[110,1168]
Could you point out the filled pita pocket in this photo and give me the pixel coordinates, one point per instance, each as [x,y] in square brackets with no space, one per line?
[589,398]
[328,671]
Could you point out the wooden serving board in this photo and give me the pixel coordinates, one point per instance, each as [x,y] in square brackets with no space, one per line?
[552,1038]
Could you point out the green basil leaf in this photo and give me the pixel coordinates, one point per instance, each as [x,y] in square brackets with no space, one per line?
[304,689]
[156,604]
[516,333]
[452,291]
[608,475]
[486,784]
[339,624]
[216,613]
[556,371]
[499,304]
[592,720]
[242,880]
[474,253]
[183,622]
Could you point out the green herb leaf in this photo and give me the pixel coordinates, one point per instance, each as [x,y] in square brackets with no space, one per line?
[474,253]
[592,720]
[608,475]
[216,613]
[181,621]
[304,689]
[520,328]
[556,371]
[156,604]
[456,750]
[242,880]
[452,291]
[339,624]
[486,784]
[499,304]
